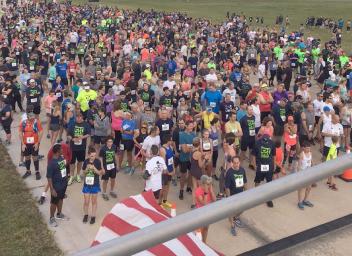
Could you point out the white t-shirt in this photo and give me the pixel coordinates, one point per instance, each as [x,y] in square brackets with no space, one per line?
[155,168]
[149,142]
[261,71]
[256,113]
[211,78]
[232,93]
[331,128]
[169,84]
[317,105]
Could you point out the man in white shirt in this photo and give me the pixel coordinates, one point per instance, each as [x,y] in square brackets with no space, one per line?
[152,139]
[317,105]
[169,83]
[232,91]
[332,129]
[154,169]
[127,48]
[211,77]
[261,71]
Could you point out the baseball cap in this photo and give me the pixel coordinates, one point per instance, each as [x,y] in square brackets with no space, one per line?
[264,86]
[326,108]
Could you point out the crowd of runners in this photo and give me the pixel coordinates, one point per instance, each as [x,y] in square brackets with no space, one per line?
[177,100]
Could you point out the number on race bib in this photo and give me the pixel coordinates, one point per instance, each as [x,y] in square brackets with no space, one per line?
[170,161]
[63,173]
[110,166]
[30,140]
[215,143]
[79,142]
[34,100]
[206,146]
[90,180]
[165,127]
[239,182]
[264,168]
[251,132]
[122,146]
[212,104]
[58,94]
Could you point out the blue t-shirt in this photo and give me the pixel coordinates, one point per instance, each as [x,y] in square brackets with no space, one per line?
[213,99]
[128,125]
[171,67]
[186,138]
[241,113]
[61,69]
[56,171]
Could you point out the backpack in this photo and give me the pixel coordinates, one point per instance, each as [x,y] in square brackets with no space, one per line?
[35,126]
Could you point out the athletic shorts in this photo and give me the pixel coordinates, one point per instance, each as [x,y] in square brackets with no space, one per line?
[99,139]
[252,62]
[30,151]
[127,145]
[7,127]
[91,189]
[78,156]
[248,142]
[109,174]
[60,196]
[36,109]
[185,166]
[261,176]
[165,179]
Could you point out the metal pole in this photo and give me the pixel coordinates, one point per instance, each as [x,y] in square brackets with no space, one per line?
[164,231]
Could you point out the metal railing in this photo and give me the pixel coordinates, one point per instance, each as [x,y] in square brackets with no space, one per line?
[164,231]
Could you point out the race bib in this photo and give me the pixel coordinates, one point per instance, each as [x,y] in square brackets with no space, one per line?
[63,173]
[111,83]
[239,182]
[72,70]
[206,146]
[251,132]
[194,66]
[293,64]
[104,55]
[17,53]
[292,136]
[34,100]
[31,68]
[30,140]
[122,146]
[165,127]
[234,131]
[58,94]
[264,168]
[90,180]
[78,142]
[170,161]
[283,118]
[146,104]
[110,166]
[215,143]
[13,64]
[252,55]
[133,92]
[212,104]
[310,127]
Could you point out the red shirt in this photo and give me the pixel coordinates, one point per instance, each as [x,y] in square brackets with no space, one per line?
[200,192]
[66,152]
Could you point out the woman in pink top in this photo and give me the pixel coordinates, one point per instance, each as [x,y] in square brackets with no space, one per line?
[267,128]
[116,123]
[204,195]
[48,102]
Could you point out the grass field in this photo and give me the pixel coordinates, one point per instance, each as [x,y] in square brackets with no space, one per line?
[22,230]
[297,10]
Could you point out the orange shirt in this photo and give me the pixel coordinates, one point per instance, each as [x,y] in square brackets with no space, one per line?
[144,54]
[279,156]
[29,135]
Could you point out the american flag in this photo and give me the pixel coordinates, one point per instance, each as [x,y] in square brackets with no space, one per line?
[140,211]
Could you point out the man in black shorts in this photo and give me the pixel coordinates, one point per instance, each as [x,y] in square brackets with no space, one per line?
[248,139]
[78,134]
[57,180]
[109,159]
[264,153]
[33,95]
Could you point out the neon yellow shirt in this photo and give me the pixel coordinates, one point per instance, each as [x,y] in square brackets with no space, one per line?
[332,154]
[84,97]
[148,74]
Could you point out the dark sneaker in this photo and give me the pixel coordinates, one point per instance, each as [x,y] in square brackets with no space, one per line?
[300,206]
[41,200]
[193,206]
[92,220]
[85,219]
[238,223]
[52,222]
[189,190]
[105,196]
[270,204]
[21,164]
[37,176]
[40,157]
[307,203]
[113,194]
[233,231]
[26,175]
[61,216]
[59,140]
[180,196]
[48,136]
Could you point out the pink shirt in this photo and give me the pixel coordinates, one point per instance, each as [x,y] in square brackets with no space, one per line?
[48,102]
[200,192]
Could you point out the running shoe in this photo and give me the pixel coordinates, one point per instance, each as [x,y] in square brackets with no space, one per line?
[85,218]
[105,196]
[193,206]
[37,176]
[21,164]
[26,174]
[71,180]
[78,178]
[307,203]
[52,222]
[238,223]
[113,194]
[167,204]
[233,231]
[180,196]
[270,204]
[40,157]
[92,220]
[174,182]
[41,200]
[61,216]
[300,206]
[189,190]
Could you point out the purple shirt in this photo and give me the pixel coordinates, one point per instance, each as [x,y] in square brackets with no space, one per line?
[277,96]
[109,99]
